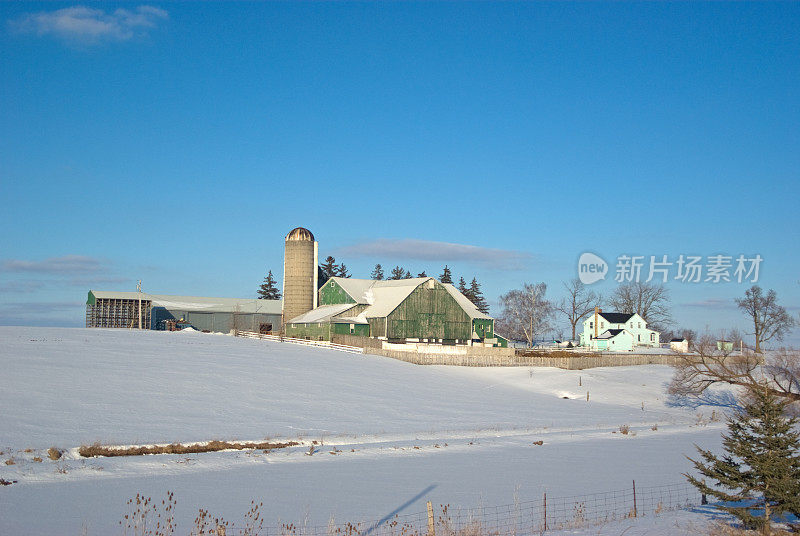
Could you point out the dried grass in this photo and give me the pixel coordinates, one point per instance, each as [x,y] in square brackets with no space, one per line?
[54,453]
[90,451]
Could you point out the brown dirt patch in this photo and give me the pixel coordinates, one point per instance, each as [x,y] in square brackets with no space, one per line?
[89,451]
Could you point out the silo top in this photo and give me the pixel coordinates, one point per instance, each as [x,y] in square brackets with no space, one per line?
[300,234]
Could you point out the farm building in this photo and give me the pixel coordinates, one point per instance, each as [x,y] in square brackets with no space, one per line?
[419,310]
[121,310]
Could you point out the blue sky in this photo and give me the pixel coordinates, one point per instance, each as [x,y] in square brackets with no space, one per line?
[178,143]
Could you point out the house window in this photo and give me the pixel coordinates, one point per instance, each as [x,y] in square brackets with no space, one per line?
[640,325]
[602,324]
[640,338]
[591,325]
[652,337]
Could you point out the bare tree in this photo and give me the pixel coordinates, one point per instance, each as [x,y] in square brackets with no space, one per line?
[770,320]
[648,300]
[578,303]
[526,312]
[710,363]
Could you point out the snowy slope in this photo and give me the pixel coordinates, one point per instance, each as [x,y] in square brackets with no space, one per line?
[400,428]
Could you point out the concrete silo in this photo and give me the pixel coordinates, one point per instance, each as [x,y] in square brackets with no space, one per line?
[299,273]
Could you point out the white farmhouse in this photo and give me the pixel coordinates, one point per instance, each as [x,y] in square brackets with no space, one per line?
[617,332]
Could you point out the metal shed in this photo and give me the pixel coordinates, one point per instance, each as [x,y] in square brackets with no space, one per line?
[121,310]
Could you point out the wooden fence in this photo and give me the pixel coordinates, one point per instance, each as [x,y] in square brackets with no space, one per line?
[476,356]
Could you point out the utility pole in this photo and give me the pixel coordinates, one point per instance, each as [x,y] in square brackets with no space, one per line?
[139,290]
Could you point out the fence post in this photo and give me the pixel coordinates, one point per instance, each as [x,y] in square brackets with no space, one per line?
[544,502]
[635,510]
[431,526]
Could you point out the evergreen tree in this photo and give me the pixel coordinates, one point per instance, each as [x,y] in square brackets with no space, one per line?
[476,297]
[761,460]
[407,275]
[329,268]
[268,290]
[422,274]
[377,273]
[397,273]
[341,271]
[462,288]
[446,276]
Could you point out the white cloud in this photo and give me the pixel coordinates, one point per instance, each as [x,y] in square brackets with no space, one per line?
[68,264]
[426,250]
[91,25]
[713,303]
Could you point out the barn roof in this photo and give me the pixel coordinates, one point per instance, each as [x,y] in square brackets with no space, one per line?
[464,302]
[384,296]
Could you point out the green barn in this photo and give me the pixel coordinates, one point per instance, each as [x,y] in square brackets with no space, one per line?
[405,310]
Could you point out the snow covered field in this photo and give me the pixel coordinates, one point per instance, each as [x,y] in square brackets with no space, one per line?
[400,434]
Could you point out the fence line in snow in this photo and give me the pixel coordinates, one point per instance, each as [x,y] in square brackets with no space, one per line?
[522,517]
[304,342]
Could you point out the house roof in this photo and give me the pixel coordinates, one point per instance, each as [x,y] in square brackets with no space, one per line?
[196,303]
[677,340]
[616,318]
[609,333]
[323,313]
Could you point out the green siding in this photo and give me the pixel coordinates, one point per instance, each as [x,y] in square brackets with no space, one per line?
[502,342]
[90,300]
[332,294]
[358,329]
[313,331]
[377,327]
[429,313]
[483,327]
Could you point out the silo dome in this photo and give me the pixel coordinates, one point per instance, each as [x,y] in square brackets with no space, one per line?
[300,234]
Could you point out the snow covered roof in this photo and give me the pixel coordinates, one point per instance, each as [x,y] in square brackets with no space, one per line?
[359,289]
[384,296]
[610,333]
[464,302]
[322,313]
[197,303]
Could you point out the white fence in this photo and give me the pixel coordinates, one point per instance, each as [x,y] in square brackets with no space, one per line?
[304,342]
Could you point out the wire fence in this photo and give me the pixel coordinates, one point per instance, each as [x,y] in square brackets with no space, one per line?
[520,518]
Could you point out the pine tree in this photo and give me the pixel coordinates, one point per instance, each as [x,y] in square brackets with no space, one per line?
[329,267]
[407,275]
[397,273]
[422,274]
[761,460]
[462,288]
[341,271]
[377,273]
[268,290]
[446,276]
[476,297]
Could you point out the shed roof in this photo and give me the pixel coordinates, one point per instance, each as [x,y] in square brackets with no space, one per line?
[197,303]
[323,313]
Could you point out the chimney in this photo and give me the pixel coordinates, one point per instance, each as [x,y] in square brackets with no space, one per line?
[596,310]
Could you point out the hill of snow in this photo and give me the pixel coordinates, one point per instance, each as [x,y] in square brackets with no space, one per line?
[466,435]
